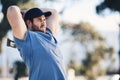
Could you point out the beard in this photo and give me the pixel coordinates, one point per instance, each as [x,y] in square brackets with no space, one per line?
[41,28]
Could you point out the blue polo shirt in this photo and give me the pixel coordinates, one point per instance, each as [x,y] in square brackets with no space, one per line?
[42,56]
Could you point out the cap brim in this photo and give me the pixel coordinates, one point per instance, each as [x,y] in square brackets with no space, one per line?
[47,14]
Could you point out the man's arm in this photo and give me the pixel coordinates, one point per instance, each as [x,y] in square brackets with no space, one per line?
[52,21]
[16,21]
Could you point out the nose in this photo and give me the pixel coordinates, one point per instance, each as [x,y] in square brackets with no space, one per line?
[42,22]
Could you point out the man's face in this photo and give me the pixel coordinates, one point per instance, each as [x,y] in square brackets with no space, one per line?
[39,24]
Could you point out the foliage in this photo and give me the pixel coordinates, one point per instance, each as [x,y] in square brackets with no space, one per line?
[113,5]
[19,70]
[27,5]
[95,47]
[73,65]
[4,25]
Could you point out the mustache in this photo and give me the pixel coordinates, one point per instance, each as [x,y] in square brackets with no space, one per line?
[42,25]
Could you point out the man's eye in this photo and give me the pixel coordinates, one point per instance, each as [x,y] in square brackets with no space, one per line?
[39,19]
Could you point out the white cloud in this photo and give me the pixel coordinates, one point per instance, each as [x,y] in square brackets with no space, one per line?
[85,11]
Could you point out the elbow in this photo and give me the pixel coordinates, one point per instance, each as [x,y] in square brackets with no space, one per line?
[54,11]
[12,10]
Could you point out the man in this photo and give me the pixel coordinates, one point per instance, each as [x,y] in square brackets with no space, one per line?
[36,43]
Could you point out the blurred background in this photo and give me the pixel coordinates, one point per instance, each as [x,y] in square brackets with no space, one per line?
[89,39]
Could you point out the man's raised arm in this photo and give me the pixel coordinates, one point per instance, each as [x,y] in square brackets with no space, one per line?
[52,21]
[16,22]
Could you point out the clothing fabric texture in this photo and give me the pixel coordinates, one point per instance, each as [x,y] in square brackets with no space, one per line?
[42,56]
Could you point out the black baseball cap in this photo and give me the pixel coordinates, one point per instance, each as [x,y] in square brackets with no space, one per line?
[35,12]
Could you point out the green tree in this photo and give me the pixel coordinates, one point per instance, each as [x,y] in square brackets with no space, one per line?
[4,25]
[19,70]
[95,47]
[113,5]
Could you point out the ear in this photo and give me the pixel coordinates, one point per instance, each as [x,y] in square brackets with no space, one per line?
[29,24]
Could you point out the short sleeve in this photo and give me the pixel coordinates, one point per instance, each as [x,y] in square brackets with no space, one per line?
[24,46]
[20,43]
